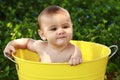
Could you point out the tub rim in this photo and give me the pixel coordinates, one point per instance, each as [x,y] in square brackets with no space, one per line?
[66,63]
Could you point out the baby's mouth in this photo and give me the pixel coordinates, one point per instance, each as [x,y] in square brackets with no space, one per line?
[62,37]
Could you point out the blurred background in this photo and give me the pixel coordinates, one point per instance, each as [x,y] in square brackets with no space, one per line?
[93,20]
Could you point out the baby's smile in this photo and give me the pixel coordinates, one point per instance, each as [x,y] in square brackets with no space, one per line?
[61,37]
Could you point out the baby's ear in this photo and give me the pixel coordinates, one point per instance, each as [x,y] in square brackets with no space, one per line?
[41,34]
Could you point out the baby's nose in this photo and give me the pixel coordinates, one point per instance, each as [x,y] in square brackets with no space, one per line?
[61,32]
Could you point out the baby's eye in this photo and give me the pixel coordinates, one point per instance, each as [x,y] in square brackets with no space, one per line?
[53,29]
[65,27]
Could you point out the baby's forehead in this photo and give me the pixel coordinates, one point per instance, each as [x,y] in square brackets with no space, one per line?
[55,20]
[51,13]
[53,10]
[56,15]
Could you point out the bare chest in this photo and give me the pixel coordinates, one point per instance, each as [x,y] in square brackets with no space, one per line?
[55,57]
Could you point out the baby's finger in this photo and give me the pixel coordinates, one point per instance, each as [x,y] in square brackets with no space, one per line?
[13,50]
[80,60]
[6,52]
[72,61]
[75,62]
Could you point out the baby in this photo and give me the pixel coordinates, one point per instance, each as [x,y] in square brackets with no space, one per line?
[56,32]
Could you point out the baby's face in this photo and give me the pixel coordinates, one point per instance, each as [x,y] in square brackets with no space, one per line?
[57,29]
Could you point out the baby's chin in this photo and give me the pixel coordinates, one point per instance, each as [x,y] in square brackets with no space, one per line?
[61,41]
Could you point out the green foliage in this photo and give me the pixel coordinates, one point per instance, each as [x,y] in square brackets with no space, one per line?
[93,20]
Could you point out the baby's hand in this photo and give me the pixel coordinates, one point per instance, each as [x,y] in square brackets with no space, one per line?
[9,49]
[76,58]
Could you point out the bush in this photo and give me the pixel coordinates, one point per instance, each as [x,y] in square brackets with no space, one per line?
[95,21]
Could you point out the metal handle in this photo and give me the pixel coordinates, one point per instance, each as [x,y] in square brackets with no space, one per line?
[116,48]
[9,58]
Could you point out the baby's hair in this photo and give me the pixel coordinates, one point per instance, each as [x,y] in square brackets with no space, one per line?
[51,10]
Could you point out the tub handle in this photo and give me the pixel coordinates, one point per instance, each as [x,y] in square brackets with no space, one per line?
[9,58]
[116,49]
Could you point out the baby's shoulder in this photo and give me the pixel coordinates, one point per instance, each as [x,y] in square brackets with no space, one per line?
[39,43]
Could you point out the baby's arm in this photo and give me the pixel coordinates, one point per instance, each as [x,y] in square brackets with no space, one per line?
[76,57]
[17,44]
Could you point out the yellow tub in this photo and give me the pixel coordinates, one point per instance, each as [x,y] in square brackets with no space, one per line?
[95,57]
